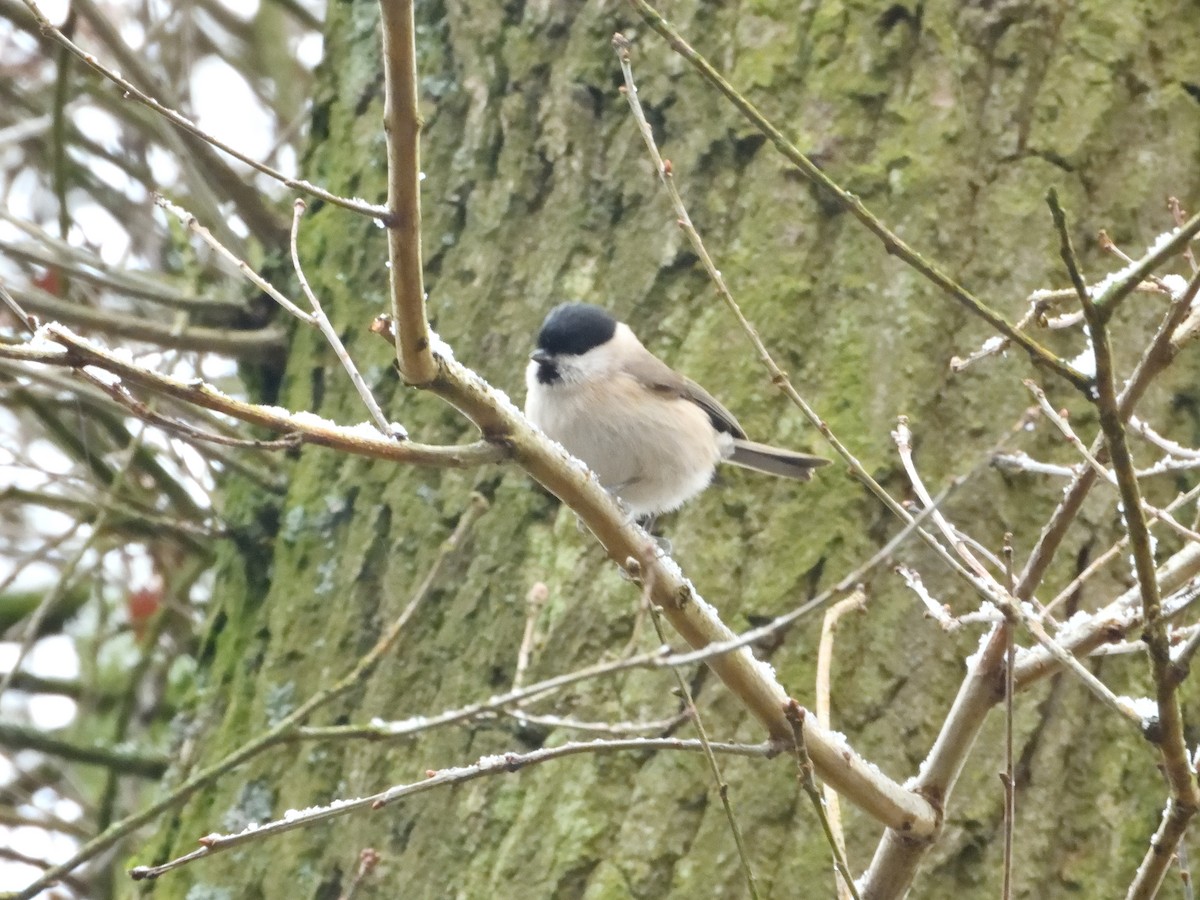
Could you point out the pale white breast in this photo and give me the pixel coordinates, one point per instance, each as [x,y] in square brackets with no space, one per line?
[653,451]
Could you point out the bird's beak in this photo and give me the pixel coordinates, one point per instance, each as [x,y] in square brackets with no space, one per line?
[540,356]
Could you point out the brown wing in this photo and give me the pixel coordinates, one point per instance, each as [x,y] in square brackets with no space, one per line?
[658,376]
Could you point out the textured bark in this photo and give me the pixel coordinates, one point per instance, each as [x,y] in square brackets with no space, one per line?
[949,121]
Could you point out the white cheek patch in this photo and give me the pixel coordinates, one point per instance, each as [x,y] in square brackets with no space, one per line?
[594,365]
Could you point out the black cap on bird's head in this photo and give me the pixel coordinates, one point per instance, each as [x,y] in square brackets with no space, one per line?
[571,329]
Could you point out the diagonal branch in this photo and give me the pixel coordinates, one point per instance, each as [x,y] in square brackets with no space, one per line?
[496,764]
[892,243]
[278,732]
[1185,795]
[182,122]
[752,682]
[59,346]
[778,376]
[231,341]
[119,758]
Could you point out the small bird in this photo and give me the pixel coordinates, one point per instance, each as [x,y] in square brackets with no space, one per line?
[652,436]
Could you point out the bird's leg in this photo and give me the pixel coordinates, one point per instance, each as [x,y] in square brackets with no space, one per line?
[647,523]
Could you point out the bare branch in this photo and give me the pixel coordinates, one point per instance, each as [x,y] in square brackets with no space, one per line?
[497,764]
[804,767]
[402,124]
[710,757]
[193,224]
[856,602]
[1008,776]
[1185,795]
[891,242]
[228,341]
[120,758]
[76,352]
[277,732]
[778,376]
[322,322]
[55,34]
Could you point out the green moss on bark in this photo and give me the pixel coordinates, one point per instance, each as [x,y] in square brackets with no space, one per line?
[950,121]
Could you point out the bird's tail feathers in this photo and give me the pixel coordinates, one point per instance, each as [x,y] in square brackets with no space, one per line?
[773,461]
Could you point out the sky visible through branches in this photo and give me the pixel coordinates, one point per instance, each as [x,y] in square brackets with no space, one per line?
[146,181]
[78,227]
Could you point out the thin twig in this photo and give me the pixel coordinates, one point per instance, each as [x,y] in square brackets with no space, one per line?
[121,395]
[28,322]
[615,728]
[1185,796]
[75,352]
[804,774]
[496,764]
[117,757]
[902,437]
[535,599]
[1137,426]
[778,377]
[322,322]
[1022,462]
[934,609]
[47,28]
[1065,429]
[856,602]
[235,342]
[120,829]
[193,224]
[1108,245]
[1009,775]
[1178,214]
[852,204]
[404,728]
[714,767]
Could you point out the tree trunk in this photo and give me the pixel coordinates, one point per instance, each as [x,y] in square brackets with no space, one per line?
[949,121]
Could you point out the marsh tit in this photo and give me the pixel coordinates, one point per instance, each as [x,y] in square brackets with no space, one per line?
[652,436]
